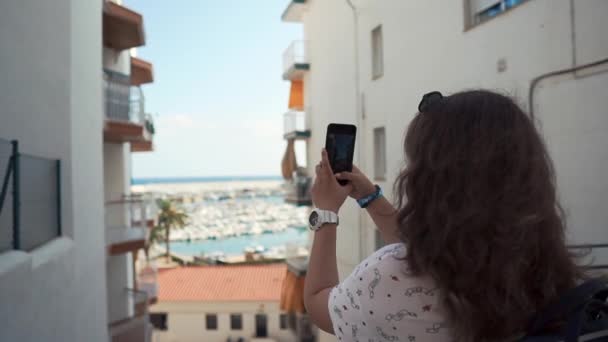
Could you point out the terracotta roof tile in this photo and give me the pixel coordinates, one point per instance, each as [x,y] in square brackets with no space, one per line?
[221,283]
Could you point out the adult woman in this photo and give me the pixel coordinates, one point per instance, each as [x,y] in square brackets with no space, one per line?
[476,243]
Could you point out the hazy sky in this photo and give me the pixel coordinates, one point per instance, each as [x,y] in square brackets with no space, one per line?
[217,97]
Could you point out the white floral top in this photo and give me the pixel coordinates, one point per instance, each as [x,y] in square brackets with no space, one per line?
[379,302]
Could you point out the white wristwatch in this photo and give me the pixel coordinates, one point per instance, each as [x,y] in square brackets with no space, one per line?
[319,217]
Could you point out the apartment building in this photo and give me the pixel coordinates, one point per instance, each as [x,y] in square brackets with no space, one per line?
[368,63]
[73,113]
[221,303]
[128,128]
[52,256]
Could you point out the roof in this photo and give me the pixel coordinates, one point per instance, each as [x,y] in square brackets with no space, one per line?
[221,283]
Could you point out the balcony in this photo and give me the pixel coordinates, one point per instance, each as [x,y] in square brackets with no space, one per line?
[134,325]
[141,72]
[30,199]
[295,126]
[147,281]
[298,191]
[294,11]
[295,61]
[125,116]
[127,224]
[122,28]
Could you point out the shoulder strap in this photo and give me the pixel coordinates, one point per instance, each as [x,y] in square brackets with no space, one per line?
[571,301]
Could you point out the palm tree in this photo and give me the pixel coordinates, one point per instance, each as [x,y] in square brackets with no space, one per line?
[169,217]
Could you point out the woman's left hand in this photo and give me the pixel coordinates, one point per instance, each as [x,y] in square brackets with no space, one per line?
[327,193]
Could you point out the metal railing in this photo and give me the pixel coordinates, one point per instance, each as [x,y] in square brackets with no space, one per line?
[294,121]
[124,102]
[117,94]
[295,54]
[298,190]
[30,199]
[129,211]
[147,279]
[134,324]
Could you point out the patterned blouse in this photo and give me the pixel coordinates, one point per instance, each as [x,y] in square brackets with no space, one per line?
[379,302]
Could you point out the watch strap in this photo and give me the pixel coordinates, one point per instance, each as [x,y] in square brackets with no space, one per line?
[367,200]
[325,217]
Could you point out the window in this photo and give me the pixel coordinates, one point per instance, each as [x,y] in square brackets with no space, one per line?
[236,322]
[479,11]
[261,329]
[211,321]
[379,153]
[283,321]
[159,320]
[377,53]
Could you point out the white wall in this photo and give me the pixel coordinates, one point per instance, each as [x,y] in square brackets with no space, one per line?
[330,97]
[50,92]
[186,321]
[426,48]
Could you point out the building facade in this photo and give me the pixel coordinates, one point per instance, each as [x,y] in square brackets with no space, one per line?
[51,282]
[127,129]
[73,113]
[221,303]
[370,62]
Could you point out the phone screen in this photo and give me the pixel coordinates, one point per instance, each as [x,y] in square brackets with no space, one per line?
[340,146]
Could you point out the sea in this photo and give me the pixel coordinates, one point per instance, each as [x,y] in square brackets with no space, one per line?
[182,180]
[293,235]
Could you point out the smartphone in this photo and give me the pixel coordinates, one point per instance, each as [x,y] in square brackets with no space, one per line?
[340,146]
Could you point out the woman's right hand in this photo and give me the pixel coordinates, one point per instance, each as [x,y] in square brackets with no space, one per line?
[362,186]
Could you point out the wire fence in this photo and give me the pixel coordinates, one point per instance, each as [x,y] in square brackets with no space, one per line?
[30,200]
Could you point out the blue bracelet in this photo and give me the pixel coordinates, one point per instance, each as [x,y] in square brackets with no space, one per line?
[367,200]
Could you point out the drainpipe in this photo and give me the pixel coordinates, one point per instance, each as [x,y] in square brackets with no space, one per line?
[573,69]
[359,113]
[538,79]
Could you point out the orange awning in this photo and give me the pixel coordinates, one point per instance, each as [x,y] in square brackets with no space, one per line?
[296,95]
[289,163]
[292,294]
[122,28]
[141,71]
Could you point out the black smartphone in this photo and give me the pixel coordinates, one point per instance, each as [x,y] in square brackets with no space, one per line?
[340,146]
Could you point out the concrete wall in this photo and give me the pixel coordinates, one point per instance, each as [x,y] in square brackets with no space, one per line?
[50,91]
[186,321]
[426,47]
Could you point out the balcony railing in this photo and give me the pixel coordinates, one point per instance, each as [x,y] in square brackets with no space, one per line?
[147,281]
[124,102]
[134,324]
[298,191]
[127,223]
[296,60]
[30,185]
[295,125]
[117,91]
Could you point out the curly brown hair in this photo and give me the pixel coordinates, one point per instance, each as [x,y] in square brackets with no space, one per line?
[479,213]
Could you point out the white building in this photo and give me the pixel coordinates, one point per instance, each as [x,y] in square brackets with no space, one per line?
[127,128]
[221,303]
[68,89]
[370,64]
[51,287]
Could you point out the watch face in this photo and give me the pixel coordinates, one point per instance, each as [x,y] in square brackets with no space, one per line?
[313,219]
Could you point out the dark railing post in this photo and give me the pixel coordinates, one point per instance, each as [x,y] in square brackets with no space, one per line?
[16,194]
[58,184]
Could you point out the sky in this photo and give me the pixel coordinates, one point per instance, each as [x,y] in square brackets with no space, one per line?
[218,97]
